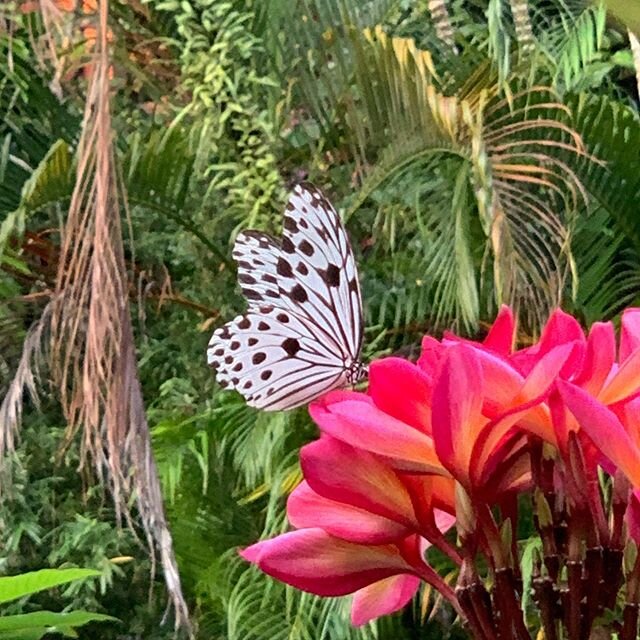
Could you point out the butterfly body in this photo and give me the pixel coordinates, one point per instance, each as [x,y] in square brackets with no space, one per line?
[302,333]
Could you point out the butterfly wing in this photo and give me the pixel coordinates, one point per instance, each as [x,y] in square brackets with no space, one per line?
[316,247]
[273,359]
[303,331]
[256,254]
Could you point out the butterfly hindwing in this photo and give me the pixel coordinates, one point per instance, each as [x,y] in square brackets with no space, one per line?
[273,359]
[256,254]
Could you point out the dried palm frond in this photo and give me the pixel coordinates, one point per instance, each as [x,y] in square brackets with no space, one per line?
[23,380]
[442,22]
[92,347]
[635,50]
[522,24]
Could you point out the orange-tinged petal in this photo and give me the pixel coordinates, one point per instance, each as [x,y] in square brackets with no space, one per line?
[457,407]
[547,369]
[625,382]
[501,382]
[306,509]
[604,428]
[341,472]
[382,598]
[314,561]
[363,425]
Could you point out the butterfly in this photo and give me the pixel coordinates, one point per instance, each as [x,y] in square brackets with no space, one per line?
[303,330]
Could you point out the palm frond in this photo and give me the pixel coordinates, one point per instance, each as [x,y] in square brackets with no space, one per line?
[508,142]
[609,129]
[92,344]
[581,40]
[24,380]
[609,268]
[522,24]
[442,22]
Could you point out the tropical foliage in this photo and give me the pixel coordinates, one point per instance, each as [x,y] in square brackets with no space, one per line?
[481,152]
[39,623]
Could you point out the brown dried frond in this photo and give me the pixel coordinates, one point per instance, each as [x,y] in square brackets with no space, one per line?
[24,380]
[92,348]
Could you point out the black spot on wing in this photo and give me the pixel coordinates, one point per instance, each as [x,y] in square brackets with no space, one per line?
[306,248]
[291,346]
[284,268]
[298,294]
[259,357]
[287,245]
[331,276]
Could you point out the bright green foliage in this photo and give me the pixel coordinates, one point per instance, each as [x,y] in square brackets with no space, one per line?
[505,171]
[32,626]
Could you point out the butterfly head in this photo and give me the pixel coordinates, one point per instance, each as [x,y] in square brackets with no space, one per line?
[356,372]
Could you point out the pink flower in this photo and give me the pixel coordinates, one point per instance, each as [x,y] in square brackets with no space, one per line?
[382,577]
[441,442]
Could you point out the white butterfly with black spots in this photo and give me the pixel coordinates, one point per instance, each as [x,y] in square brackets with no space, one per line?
[302,333]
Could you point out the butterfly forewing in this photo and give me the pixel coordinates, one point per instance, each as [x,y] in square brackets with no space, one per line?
[302,334]
[319,252]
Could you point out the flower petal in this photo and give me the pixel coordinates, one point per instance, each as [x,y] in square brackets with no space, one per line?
[502,333]
[431,356]
[402,390]
[338,471]
[314,561]
[307,509]
[599,359]
[560,329]
[625,382]
[359,423]
[629,333]
[604,429]
[382,598]
[457,406]
[632,516]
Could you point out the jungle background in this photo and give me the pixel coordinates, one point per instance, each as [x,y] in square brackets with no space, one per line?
[480,151]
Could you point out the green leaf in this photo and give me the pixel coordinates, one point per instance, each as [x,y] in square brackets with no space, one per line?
[39,623]
[13,587]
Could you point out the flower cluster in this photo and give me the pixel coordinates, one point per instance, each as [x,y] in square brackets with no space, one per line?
[438,453]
